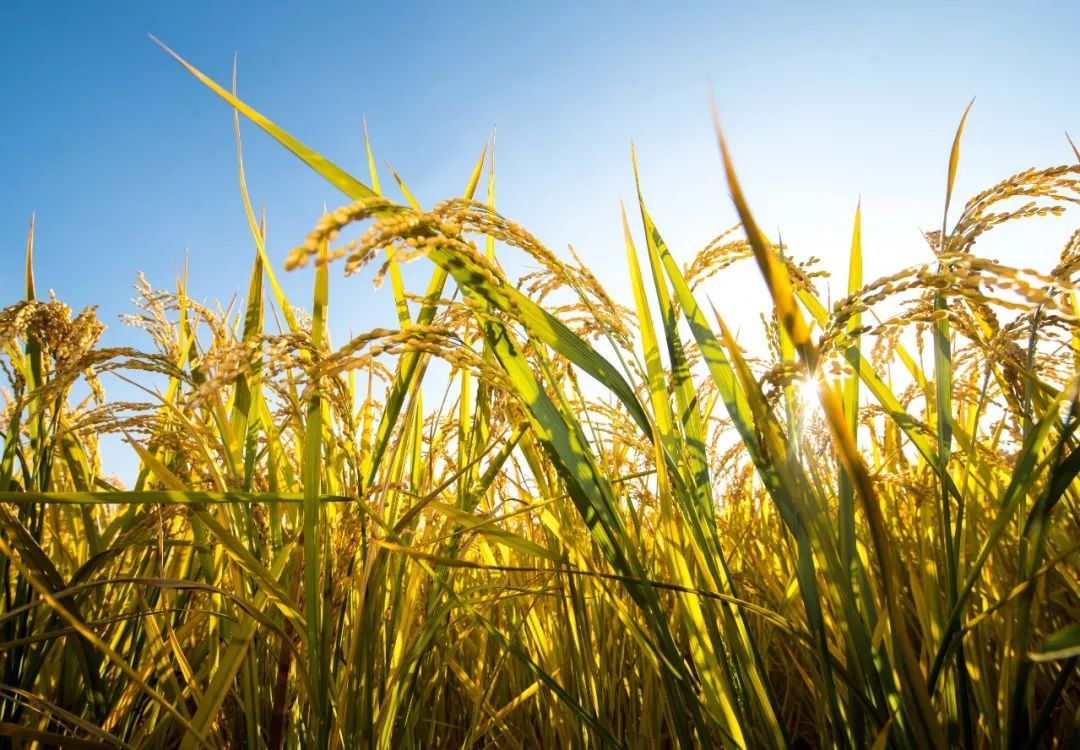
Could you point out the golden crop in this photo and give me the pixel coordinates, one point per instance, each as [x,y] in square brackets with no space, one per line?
[610,526]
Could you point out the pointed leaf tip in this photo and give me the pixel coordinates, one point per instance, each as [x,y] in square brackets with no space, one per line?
[1075,150]
[954,155]
[30,292]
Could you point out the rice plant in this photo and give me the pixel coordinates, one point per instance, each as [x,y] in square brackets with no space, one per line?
[612,525]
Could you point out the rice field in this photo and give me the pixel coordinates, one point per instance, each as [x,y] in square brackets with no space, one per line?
[613,525]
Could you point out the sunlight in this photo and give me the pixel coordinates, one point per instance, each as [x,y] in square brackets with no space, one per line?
[808,390]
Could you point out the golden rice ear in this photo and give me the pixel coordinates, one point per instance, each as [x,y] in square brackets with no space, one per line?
[498,551]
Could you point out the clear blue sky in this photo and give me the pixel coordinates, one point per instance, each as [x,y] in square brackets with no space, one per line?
[129,162]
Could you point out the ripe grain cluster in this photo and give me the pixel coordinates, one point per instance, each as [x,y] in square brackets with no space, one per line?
[610,526]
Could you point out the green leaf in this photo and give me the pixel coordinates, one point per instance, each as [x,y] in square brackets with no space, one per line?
[1062,644]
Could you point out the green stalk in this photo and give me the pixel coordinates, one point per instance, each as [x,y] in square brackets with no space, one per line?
[312,478]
